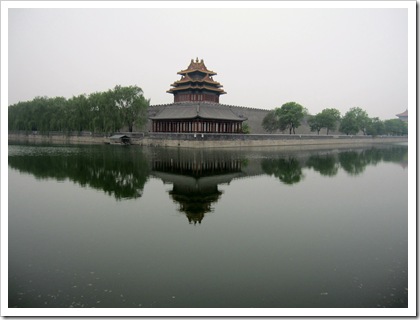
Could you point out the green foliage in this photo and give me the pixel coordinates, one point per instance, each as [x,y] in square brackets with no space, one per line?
[132,105]
[352,162]
[354,120]
[362,118]
[396,127]
[348,124]
[105,111]
[288,170]
[117,171]
[329,118]
[270,122]
[375,127]
[245,128]
[289,116]
[79,116]
[326,165]
[315,123]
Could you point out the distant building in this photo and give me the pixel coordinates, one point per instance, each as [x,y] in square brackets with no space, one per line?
[196,106]
[120,139]
[403,116]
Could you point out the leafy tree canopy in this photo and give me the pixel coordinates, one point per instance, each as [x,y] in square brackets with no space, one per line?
[132,104]
[245,128]
[315,123]
[396,127]
[289,116]
[375,127]
[355,120]
[270,122]
[327,118]
[105,111]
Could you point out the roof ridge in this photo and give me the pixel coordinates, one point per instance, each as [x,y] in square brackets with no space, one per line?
[209,102]
[197,66]
[243,107]
[194,110]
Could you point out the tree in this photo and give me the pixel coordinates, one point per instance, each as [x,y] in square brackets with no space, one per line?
[289,116]
[348,124]
[40,114]
[112,115]
[19,116]
[55,115]
[80,115]
[375,127]
[355,120]
[315,123]
[97,109]
[270,122]
[362,118]
[329,118]
[132,105]
[396,127]
[245,128]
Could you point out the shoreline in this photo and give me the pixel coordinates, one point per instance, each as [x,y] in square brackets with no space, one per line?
[201,141]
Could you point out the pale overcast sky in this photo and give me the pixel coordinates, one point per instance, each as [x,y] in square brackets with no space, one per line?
[319,57]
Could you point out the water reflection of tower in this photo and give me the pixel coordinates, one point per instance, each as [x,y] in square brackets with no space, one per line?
[195,176]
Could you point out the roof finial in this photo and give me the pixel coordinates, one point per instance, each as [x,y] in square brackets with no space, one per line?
[196,59]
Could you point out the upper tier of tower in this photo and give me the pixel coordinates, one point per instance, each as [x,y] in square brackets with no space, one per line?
[196,84]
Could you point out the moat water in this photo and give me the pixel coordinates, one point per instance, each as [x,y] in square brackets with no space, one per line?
[130,227]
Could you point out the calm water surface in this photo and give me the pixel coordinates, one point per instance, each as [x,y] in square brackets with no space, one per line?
[112,226]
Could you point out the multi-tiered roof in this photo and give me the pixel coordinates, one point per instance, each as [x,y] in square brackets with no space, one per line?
[196,106]
[403,116]
[196,84]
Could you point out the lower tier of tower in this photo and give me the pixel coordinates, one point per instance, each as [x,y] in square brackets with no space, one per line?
[197,125]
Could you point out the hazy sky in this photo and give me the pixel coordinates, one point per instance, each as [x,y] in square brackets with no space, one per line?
[321,58]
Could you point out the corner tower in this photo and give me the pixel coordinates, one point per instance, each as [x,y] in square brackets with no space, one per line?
[196,106]
[196,84]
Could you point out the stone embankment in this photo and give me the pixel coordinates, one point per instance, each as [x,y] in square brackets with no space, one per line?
[206,140]
[58,137]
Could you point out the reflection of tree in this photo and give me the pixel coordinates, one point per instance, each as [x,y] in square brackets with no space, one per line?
[123,171]
[288,170]
[372,156]
[395,154]
[119,171]
[352,162]
[326,165]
